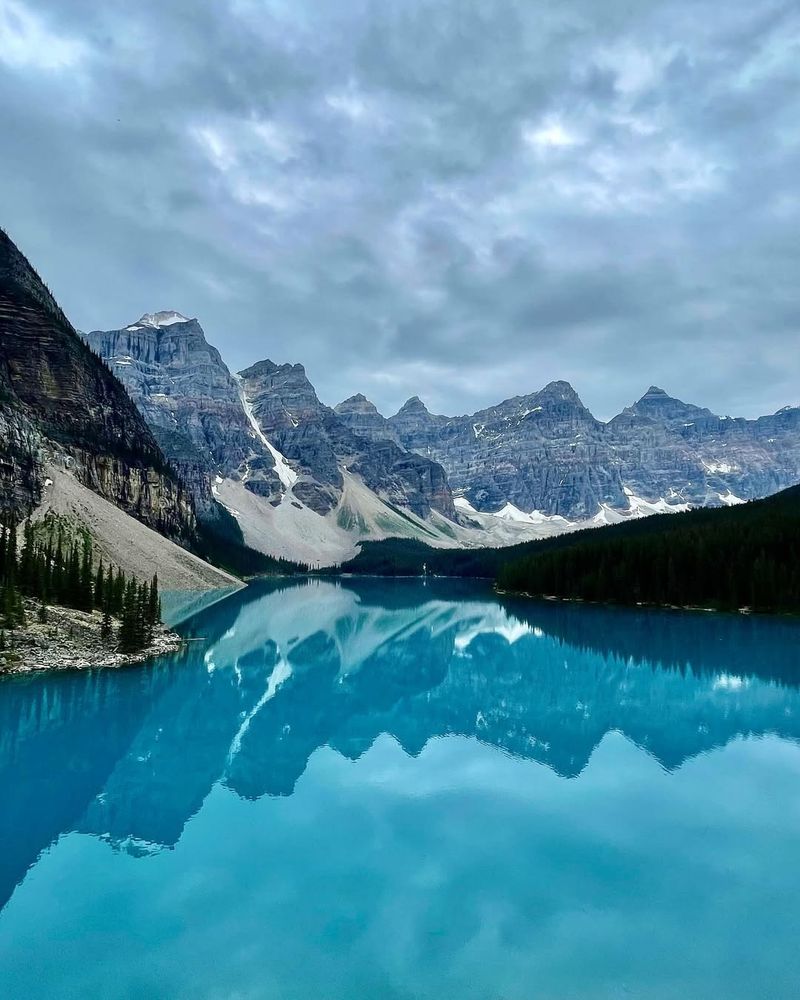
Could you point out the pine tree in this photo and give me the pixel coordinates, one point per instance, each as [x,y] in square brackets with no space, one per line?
[86,582]
[144,631]
[26,565]
[106,628]
[99,587]
[108,590]
[129,636]
[154,603]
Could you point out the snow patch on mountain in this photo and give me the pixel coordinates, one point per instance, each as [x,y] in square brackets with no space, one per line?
[511,513]
[638,507]
[720,467]
[286,473]
[158,319]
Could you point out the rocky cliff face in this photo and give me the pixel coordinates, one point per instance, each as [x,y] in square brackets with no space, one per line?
[59,402]
[321,444]
[665,446]
[546,452]
[190,400]
[542,452]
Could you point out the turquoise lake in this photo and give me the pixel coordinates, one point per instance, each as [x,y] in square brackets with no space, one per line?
[366,789]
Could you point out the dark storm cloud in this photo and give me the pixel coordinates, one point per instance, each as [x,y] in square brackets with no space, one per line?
[458,199]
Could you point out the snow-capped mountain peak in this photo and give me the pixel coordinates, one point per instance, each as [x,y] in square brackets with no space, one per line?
[157,319]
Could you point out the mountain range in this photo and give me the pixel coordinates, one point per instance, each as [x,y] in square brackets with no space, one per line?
[309,482]
[546,452]
[260,445]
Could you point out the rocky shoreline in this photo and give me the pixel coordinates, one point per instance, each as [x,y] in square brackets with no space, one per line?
[71,640]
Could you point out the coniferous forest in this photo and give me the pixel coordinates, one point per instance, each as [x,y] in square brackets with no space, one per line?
[742,557]
[51,568]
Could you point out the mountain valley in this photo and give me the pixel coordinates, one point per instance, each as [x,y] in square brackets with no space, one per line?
[256,457]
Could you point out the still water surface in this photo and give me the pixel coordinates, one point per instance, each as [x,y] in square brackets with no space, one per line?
[387,790]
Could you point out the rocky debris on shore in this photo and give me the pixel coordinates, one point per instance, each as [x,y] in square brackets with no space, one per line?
[71,640]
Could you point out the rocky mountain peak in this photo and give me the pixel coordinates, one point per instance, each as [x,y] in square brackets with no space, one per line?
[655,397]
[267,368]
[287,390]
[413,405]
[356,404]
[282,395]
[167,317]
[190,400]
[167,341]
[259,369]
[557,394]
[658,404]
[323,443]
[560,389]
[362,417]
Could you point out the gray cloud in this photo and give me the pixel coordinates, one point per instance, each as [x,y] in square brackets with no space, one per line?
[458,199]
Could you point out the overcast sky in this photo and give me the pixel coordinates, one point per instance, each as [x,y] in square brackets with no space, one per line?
[460,200]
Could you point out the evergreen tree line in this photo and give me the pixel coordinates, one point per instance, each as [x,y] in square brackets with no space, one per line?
[746,556]
[58,571]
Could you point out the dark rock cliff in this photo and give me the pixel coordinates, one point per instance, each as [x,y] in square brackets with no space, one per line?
[59,402]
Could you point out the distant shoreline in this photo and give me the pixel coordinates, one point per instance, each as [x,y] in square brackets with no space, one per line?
[646,605]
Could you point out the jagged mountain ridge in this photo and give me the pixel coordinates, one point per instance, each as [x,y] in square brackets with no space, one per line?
[529,451]
[546,452]
[321,443]
[261,444]
[60,405]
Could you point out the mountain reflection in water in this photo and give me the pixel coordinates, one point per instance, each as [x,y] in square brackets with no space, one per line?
[280,669]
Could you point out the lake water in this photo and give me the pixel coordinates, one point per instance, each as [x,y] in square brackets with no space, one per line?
[390,790]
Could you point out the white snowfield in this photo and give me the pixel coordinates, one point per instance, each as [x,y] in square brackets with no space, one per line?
[157,319]
[127,543]
[729,499]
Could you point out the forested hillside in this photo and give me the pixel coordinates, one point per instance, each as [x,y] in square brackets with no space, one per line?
[746,556]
